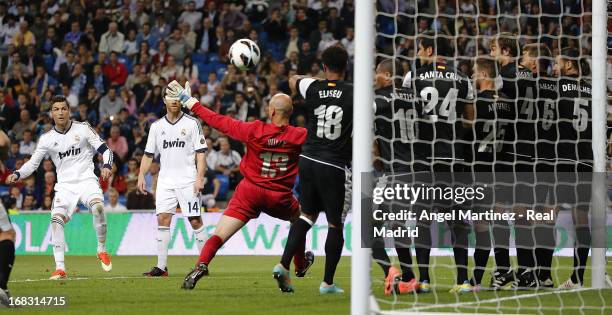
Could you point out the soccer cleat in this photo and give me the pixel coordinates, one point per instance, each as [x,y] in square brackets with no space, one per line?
[58,275]
[156,272]
[503,281]
[105,261]
[526,281]
[424,287]
[192,278]
[569,285]
[329,289]
[466,287]
[308,262]
[391,279]
[401,287]
[281,275]
[5,298]
[547,284]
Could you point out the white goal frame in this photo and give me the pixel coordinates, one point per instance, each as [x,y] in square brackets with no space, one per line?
[365,36]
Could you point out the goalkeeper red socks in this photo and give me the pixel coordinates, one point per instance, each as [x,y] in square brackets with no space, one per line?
[210,249]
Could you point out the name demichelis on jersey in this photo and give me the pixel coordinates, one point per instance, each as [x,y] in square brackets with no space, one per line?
[177,144]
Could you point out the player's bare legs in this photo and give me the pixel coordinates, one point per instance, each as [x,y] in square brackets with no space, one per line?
[59,245]
[99,222]
[226,228]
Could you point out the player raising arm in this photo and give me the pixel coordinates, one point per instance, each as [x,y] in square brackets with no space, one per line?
[179,140]
[269,168]
[71,145]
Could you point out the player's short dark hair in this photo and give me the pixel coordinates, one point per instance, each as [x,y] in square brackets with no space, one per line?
[488,65]
[392,66]
[507,41]
[574,56]
[539,51]
[335,58]
[439,43]
[58,99]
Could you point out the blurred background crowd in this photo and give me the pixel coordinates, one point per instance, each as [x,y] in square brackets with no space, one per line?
[112,58]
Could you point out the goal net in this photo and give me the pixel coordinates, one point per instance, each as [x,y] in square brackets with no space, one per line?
[472,28]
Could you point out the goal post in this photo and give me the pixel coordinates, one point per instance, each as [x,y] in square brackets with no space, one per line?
[363,120]
[365,297]
[599,109]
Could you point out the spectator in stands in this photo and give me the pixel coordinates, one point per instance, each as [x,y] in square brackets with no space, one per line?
[130,45]
[47,203]
[15,193]
[27,146]
[191,16]
[206,39]
[23,37]
[13,155]
[29,203]
[170,70]
[112,40]
[117,143]
[75,33]
[161,57]
[110,104]
[349,42]
[190,71]
[50,179]
[79,81]
[227,162]
[177,45]
[42,81]
[307,57]
[115,71]
[98,80]
[276,27]
[115,181]
[113,204]
[25,123]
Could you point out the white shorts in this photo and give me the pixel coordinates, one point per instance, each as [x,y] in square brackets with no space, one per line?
[67,196]
[166,200]
[5,221]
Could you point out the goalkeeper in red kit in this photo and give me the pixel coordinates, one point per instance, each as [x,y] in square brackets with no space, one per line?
[269,167]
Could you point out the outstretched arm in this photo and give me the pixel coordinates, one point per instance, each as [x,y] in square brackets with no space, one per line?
[30,166]
[234,128]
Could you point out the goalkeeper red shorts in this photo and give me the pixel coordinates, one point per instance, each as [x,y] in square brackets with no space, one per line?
[250,200]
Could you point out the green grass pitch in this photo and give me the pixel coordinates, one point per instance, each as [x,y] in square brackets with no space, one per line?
[244,285]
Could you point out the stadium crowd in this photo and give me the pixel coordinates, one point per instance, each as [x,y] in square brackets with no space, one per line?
[111,59]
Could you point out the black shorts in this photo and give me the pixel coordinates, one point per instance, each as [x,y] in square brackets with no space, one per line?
[322,189]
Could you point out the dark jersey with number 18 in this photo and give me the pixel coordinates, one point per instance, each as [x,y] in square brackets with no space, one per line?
[575,135]
[442,92]
[395,128]
[329,107]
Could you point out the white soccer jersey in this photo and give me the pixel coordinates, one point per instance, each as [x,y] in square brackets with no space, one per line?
[72,153]
[177,144]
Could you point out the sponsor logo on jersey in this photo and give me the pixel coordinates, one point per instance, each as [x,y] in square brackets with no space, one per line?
[174,144]
[273,143]
[70,152]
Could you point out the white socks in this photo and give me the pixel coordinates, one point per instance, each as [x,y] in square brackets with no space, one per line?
[200,236]
[99,223]
[163,240]
[59,242]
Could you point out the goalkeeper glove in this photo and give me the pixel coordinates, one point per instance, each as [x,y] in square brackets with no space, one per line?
[176,91]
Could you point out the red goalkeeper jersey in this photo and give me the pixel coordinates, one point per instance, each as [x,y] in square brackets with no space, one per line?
[272,155]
